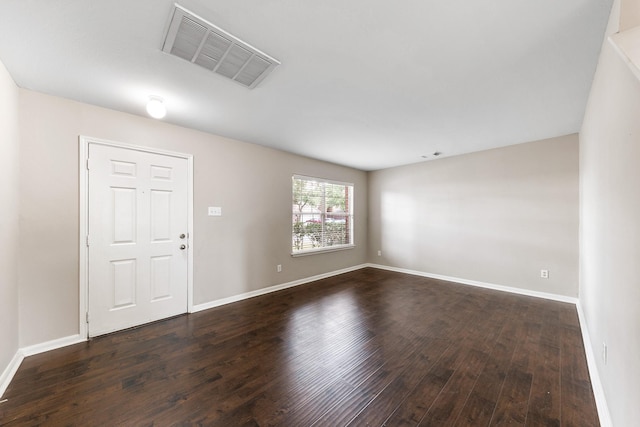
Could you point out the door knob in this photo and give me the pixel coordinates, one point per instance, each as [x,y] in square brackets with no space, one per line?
[182,236]
[183,247]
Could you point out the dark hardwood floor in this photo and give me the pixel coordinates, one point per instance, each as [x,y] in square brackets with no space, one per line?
[370,347]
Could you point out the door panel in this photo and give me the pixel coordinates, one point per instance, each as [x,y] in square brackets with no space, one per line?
[123,218]
[122,282]
[138,210]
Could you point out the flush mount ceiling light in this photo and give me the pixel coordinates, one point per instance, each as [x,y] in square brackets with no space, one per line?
[202,43]
[156,107]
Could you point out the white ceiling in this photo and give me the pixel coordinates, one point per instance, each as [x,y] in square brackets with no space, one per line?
[364,83]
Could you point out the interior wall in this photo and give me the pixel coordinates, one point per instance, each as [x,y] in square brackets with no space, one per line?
[630,14]
[497,216]
[9,156]
[610,229]
[233,254]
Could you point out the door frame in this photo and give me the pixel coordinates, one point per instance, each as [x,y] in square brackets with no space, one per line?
[83,158]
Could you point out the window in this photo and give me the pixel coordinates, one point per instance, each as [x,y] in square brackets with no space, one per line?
[322,218]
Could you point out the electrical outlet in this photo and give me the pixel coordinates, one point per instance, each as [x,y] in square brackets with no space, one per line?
[544,274]
[604,352]
[279,268]
[379,253]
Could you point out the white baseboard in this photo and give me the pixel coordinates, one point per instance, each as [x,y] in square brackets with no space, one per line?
[264,291]
[596,383]
[51,345]
[10,371]
[519,291]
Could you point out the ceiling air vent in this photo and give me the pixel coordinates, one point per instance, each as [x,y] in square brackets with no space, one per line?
[199,41]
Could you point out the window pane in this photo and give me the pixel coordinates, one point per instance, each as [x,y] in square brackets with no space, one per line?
[322,214]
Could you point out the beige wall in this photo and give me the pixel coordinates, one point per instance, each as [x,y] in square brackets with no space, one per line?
[233,254]
[497,216]
[9,144]
[610,230]
[629,15]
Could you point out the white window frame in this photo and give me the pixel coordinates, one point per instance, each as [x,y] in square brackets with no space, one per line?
[349,217]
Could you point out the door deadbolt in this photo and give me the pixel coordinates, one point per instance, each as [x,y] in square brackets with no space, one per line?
[182,236]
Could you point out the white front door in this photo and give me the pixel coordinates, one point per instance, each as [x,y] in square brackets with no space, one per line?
[138,237]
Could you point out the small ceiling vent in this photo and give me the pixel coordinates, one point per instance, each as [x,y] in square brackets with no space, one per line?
[199,41]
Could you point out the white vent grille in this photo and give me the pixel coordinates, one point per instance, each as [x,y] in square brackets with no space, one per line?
[196,40]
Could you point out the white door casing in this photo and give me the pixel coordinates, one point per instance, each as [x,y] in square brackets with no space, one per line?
[138,261]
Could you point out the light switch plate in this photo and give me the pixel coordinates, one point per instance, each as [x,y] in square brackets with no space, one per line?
[215,211]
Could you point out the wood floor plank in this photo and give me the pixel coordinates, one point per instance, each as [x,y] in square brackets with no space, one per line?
[347,408]
[485,333]
[513,403]
[387,401]
[544,402]
[474,328]
[370,347]
[481,403]
[446,408]
[575,382]
[308,410]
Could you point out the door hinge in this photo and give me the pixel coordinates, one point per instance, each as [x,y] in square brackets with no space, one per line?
[87,316]
[87,240]
[88,164]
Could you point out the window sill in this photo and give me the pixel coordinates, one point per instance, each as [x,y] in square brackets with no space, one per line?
[322,250]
